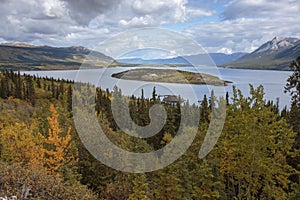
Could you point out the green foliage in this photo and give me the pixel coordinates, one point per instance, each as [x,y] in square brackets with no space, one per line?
[141,189]
[293,82]
[249,161]
[253,149]
[204,111]
[293,116]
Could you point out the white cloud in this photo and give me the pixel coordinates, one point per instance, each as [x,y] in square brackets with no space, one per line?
[137,22]
[198,12]
[81,22]
[158,40]
[53,8]
[246,24]
[145,7]
[225,50]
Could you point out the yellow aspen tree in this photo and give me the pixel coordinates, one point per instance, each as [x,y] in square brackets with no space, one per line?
[57,148]
[19,144]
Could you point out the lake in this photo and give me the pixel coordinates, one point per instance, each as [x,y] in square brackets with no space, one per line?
[273,82]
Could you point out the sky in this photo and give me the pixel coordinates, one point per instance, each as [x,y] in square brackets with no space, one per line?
[225,26]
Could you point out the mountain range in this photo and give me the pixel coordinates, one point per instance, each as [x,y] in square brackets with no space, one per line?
[275,54]
[22,56]
[217,58]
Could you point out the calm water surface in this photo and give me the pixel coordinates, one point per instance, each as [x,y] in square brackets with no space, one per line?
[273,82]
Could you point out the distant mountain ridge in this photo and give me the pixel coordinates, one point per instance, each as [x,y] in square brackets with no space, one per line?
[22,56]
[217,58]
[275,54]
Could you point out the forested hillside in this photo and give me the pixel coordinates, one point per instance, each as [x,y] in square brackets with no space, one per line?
[42,157]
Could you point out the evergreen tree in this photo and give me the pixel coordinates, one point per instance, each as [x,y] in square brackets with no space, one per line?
[293,88]
[253,149]
[18,83]
[38,83]
[227,98]
[69,98]
[53,88]
[293,82]
[154,95]
[169,184]
[30,90]
[4,87]
[141,189]
[204,111]
[205,183]
[212,100]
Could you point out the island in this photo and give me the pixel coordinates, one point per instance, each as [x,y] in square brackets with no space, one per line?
[170,76]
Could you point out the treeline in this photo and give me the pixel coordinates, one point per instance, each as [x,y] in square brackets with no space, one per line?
[256,156]
[28,87]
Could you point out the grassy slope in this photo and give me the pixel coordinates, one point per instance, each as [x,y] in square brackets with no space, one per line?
[49,58]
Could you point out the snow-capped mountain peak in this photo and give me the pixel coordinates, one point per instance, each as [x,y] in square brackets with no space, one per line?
[277,43]
[17,44]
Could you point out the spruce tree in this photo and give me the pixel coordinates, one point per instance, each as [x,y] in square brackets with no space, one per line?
[69,98]
[30,90]
[204,111]
[141,189]
[253,148]
[293,88]
[154,95]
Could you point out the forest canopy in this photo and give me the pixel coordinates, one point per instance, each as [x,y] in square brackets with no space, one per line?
[42,157]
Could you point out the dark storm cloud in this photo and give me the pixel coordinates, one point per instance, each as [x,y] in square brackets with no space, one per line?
[30,20]
[83,11]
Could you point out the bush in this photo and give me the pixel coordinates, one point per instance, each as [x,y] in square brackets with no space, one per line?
[32,183]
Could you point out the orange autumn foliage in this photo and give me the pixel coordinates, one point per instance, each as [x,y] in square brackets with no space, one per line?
[56,151]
